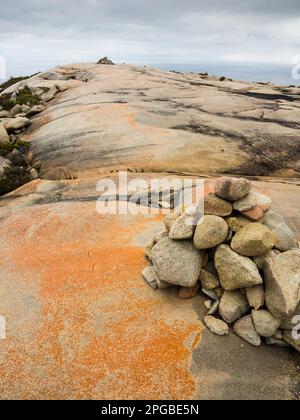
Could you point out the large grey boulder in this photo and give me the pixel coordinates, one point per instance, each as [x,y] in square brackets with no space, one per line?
[210,232]
[265,323]
[4,137]
[253,240]
[235,271]
[282,283]
[232,189]
[244,328]
[176,262]
[285,238]
[233,306]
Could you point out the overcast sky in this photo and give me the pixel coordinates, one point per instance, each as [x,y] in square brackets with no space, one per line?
[38,34]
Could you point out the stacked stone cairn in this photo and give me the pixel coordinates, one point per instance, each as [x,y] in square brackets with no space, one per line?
[239,254]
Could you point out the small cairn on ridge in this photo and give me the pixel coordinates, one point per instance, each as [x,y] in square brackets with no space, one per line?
[105,61]
[240,254]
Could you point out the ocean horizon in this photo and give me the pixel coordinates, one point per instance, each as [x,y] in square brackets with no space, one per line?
[249,72]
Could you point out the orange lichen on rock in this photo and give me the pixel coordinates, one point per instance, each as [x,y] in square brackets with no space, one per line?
[81,322]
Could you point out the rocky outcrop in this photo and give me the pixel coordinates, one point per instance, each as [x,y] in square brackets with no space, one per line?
[146,119]
[251,284]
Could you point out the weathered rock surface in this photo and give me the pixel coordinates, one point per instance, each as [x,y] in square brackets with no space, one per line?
[4,165]
[282,279]
[183,228]
[253,199]
[16,124]
[233,306]
[209,280]
[260,261]
[188,292]
[215,206]
[158,119]
[235,271]
[99,280]
[244,328]
[216,326]
[292,341]
[253,240]
[232,188]
[237,223]
[4,137]
[256,296]
[210,232]
[176,262]
[265,323]
[153,280]
[170,219]
[291,322]
[285,238]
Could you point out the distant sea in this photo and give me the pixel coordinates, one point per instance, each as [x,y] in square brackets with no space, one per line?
[280,75]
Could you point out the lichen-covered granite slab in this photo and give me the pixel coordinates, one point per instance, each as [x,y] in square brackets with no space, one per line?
[81,323]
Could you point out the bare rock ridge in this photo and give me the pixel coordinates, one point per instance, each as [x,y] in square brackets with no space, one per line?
[108,117]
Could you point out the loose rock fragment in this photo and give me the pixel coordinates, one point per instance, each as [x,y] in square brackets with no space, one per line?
[253,199]
[170,219]
[292,340]
[282,283]
[233,306]
[256,297]
[176,262]
[244,328]
[285,238]
[208,280]
[235,271]
[216,326]
[188,292]
[215,206]
[232,189]
[153,280]
[210,232]
[183,228]
[253,240]
[265,324]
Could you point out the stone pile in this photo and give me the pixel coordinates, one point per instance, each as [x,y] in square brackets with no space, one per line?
[16,165]
[240,254]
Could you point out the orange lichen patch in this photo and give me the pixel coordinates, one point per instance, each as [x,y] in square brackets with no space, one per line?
[81,321]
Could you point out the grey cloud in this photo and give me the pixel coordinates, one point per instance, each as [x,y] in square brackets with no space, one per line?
[46,32]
